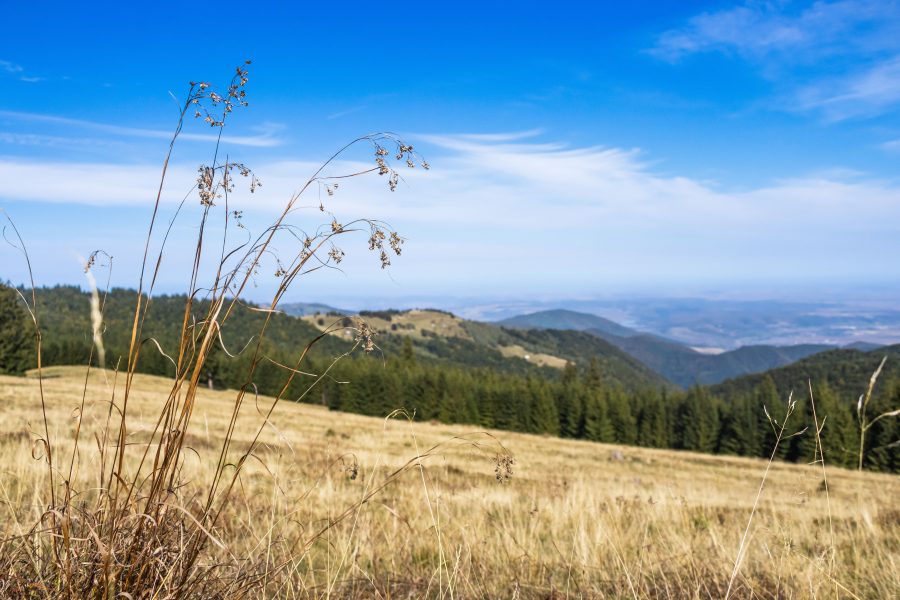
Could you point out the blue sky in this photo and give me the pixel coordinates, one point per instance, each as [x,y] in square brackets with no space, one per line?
[578,149]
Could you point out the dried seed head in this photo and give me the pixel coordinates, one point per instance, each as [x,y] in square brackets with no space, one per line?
[336,254]
[364,335]
[395,242]
[503,465]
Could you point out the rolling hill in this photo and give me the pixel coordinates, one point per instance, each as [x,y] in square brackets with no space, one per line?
[437,338]
[566,319]
[301,309]
[846,371]
[675,361]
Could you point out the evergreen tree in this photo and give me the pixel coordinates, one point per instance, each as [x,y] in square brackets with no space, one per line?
[698,421]
[570,402]
[652,425]
[593,379]
[17,348]
[597,427]
[407,355]
[768,400]
[839,430]
[621,420]
[882,450]
[741,428]
[543,416]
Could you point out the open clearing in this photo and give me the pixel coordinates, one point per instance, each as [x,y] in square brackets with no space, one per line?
[576,519]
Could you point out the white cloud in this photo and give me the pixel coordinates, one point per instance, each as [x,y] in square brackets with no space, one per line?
[839,59]
[869,92]
[9,67]
[757,30]
[265,139]
[508,210]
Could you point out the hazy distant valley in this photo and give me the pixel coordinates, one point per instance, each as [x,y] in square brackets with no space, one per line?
[716,325]
[685,341]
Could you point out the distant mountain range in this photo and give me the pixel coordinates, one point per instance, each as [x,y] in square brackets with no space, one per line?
[729,323]
[534,344]
[675,361]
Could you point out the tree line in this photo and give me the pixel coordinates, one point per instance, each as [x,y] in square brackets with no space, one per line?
[580,402]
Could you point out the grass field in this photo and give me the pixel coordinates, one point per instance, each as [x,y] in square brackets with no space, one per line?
[574,520]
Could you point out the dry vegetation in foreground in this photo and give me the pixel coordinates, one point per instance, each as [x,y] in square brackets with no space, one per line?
[576,519]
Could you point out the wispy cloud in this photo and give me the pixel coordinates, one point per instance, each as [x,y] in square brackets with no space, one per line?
[344,113]
[265,139]
[9,67]
[497,206]
[840,59]
[871,91]
[494,137]
[51,141]
[759,30]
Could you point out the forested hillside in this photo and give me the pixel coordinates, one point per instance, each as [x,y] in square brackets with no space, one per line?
[846,371]
[677,362]
[601,394]
[65,320]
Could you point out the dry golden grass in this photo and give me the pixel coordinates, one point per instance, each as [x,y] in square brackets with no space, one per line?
[540,359]
[576,519]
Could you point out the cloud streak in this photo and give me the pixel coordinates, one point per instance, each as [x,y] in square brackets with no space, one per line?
[490,210]
[856,38]
[9,67]
[266,139]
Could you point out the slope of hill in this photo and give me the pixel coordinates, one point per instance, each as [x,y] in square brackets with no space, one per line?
[436,337]
[301,309]
[686,367]
[673,360]
[566,319]
[846,371]
[467,376]
[643,502]
[575,346]
[552,348]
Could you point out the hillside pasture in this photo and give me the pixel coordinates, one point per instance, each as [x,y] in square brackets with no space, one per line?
[573,519]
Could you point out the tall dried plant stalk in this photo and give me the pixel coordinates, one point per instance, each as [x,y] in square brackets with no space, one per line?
[140,537]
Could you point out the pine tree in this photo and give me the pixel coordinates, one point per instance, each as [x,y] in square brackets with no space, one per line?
[407,354]
[882,451]
[596,425]
[698,421]
[770,404]
[16,335]
[593,379]
[543,416]
[839,430]
[652,426]
[570,402]
[741,428]
[622,421]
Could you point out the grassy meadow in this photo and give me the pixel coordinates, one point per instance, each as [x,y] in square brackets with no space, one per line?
[334,505]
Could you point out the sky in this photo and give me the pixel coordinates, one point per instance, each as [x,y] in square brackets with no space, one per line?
[576,149]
